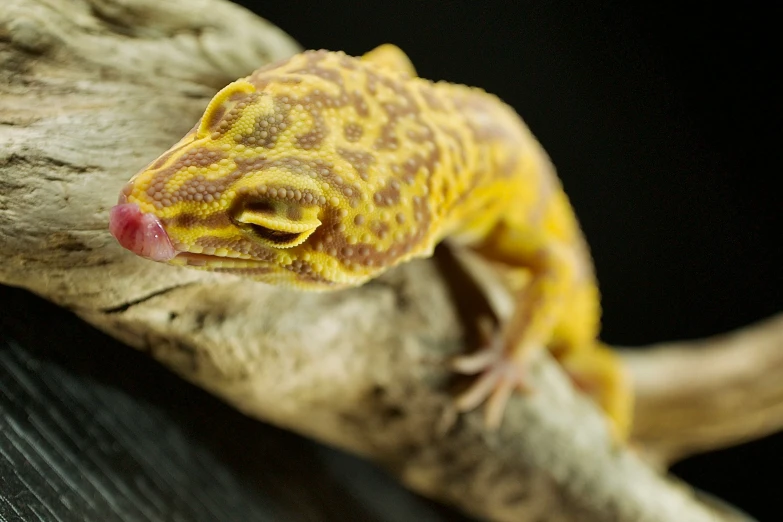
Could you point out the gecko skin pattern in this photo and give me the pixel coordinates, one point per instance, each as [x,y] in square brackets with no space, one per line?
[322,171]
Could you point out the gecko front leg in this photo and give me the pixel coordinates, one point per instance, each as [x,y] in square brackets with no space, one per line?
[552,311]
[504,361]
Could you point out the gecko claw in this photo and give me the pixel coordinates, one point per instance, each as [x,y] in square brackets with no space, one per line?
[499,375]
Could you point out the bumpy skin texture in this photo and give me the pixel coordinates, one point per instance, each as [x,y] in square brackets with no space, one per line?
[325,170]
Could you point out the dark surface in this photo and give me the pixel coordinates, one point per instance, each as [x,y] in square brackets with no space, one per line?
[91,430]
[664,126]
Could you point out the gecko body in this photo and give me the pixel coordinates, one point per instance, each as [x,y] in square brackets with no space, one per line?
[323,171]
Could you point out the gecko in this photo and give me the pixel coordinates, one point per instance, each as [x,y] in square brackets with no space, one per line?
[323,170]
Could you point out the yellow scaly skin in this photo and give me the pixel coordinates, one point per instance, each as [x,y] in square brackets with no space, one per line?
[324,170]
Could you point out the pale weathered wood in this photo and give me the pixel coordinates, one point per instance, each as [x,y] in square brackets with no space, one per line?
[90,91]
[702,395]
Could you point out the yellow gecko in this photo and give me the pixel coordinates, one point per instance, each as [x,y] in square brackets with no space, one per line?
[322,171]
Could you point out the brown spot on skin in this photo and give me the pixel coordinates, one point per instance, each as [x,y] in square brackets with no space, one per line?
[330,75]
[216,220]
[353,132]
[255,164]
[238,96]
[245,244]
[214,118]
[388,139]
[229,117]
[305,272]
[409,168]
[405,107]
[193,188]
[359,160]
[198,188]
[267,128]
[259,82]
[313,138]
[359,104]
[315,102]
[196,157]
[216,242]
[388,195]
[327,234]
[366,254]
[332,240]
[380,229]
[258,197]
[261,252]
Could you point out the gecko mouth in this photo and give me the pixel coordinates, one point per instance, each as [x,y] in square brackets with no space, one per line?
[144,235]
[194,259]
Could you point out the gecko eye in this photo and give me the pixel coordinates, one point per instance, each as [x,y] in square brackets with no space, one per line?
[275,236]
[276,223]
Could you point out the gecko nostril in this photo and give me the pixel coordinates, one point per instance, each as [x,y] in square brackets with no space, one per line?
[141,233]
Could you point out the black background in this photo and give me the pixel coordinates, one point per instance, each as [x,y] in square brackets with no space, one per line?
[664,125]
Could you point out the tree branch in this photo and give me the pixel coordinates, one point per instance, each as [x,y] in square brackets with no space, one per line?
[697,396]
[90,91]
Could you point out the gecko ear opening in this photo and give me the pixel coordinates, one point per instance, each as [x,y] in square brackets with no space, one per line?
[271,223]
[224,101]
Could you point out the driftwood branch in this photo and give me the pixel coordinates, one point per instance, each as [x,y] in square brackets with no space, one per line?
[91,90]
[702,395]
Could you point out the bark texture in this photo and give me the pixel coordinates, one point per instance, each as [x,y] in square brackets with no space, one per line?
[92,90]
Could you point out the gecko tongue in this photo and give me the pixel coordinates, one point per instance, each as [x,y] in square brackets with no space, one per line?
[142,234]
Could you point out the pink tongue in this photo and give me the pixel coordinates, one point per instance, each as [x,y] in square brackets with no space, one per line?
[142,234]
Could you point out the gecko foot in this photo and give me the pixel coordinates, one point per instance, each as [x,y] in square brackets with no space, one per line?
[499,374]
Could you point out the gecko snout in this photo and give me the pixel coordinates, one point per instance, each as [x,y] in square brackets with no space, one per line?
[141,233]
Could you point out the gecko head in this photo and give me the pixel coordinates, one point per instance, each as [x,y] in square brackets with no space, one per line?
[238,194]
